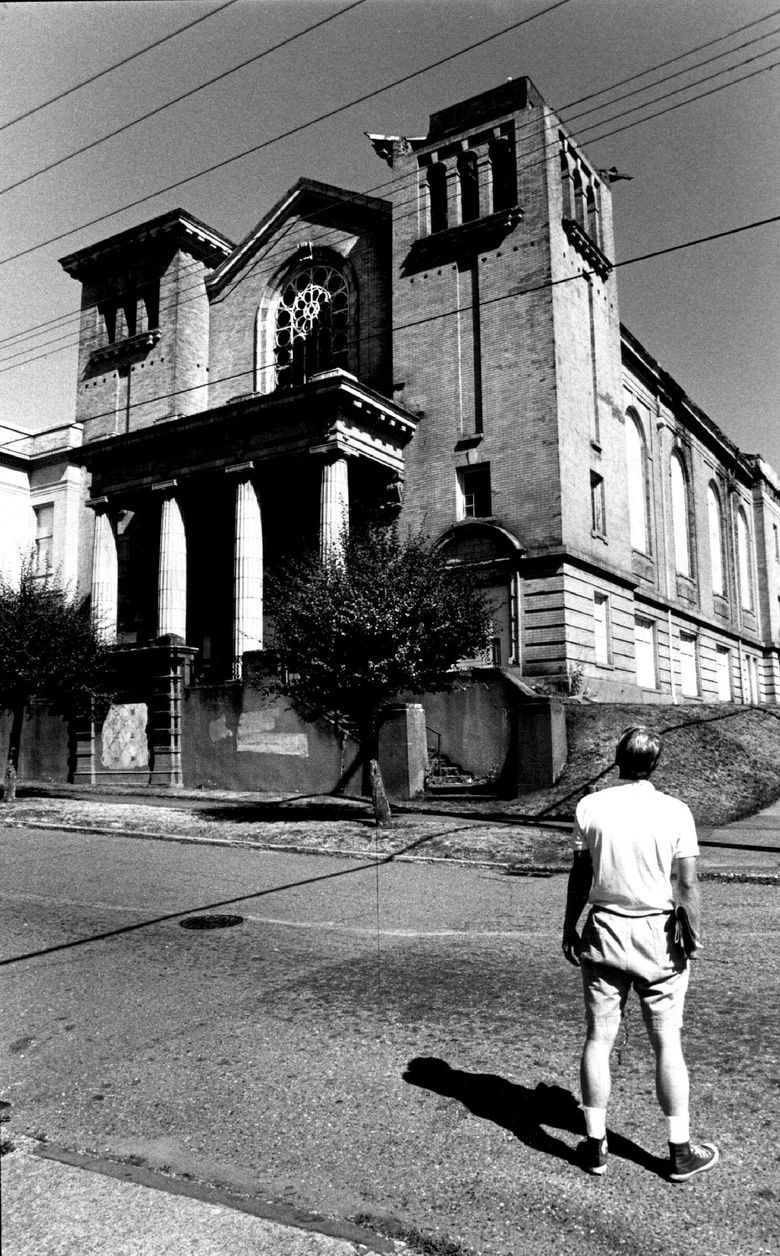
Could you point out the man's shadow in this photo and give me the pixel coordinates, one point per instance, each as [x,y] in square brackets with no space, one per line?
[521,1110]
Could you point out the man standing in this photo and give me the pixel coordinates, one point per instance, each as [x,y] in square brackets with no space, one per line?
[626,840]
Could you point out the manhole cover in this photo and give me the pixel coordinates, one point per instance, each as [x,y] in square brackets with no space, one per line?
[211,922]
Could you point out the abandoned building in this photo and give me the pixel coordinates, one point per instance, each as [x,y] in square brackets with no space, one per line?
[452,349]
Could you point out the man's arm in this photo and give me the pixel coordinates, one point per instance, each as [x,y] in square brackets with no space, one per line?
[688,896]
[577,891]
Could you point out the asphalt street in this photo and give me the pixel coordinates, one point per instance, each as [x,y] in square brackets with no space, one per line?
[270,1058]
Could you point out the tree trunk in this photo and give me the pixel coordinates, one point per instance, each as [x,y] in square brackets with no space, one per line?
[382,813]
[12,766]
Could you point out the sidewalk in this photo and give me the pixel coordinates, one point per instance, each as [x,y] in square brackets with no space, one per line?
[487,833]
[102,1210]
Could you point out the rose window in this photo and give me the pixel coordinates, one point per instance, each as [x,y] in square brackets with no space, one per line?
[312,324]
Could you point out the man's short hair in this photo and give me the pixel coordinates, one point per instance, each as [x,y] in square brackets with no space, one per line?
[638,752]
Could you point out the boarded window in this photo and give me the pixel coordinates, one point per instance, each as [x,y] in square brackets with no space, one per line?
[680,519]
[723,673]
[689,671]
[744,559]
[645,653]
[715,520]
[752,678]
[636,456]
[602,635]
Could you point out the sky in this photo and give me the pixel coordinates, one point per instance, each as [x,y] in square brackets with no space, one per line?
[709,314]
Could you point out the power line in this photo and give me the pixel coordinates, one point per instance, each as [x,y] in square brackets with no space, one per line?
[680,104]
[197,288]
[560,112]
[661,65]
[331,113]
[458,309]
[637,91]
[637,122]
[85,148]
[110,68]
[567,121]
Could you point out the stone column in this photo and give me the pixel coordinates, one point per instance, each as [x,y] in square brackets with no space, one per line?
[172,577]
[334,506]
[104,575]
[247,569]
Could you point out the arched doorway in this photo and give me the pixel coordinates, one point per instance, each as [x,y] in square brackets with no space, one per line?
[491,555]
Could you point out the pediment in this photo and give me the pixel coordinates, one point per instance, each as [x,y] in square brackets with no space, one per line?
[322,203]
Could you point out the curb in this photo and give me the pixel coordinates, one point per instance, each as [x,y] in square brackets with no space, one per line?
[511,867]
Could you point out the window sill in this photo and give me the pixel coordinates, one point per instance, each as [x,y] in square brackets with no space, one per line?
[599,536]
[131,346]
[587,248]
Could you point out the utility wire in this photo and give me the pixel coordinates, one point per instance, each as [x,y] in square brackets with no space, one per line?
[661,65]
[561,112]
[33,348]
[110,68]
[21,353]
[85,148]
[458,309]
[331,113]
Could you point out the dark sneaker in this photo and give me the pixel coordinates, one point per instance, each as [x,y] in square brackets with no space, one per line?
[592,1154]
[688,1159]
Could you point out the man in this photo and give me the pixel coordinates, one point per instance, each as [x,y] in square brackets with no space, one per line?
[626,840]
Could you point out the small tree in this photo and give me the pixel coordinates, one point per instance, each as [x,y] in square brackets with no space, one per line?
[49,650]
[378,616]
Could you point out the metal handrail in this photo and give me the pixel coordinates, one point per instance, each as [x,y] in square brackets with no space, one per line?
[437,735]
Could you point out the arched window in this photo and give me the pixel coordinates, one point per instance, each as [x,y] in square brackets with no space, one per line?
[638,486]
[312,323]
[468,174]
[715,519]
[680,517]
[437,192]
[745,561]
[566,182]
[579,200]
[594,218]
[503,175]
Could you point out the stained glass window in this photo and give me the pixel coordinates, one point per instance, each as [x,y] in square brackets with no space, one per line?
[312,324]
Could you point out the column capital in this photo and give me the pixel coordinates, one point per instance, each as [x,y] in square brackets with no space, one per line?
[240,468]
[333,449]
[97,503]
[165,486]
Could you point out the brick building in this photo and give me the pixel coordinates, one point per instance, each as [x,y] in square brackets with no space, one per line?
[452,349]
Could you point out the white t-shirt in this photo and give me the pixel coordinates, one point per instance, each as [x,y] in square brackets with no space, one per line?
[633,833]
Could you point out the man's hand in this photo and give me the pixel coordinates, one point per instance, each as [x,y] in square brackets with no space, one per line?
[571,945]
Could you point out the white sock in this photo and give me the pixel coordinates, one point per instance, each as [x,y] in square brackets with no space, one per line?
[595,1121]
[679,1129]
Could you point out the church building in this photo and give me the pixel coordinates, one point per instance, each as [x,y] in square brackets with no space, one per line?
[450,352]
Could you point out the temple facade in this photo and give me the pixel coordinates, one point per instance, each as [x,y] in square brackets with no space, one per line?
[449,354]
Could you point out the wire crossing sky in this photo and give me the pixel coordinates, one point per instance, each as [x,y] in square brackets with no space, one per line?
[710,315]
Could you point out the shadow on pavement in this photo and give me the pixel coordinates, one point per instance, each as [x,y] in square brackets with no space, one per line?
[522,1110]
[299,813]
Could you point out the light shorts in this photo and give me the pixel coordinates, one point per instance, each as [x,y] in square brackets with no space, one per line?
[618,952]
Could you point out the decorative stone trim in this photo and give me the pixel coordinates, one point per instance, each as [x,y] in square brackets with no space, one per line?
[129,347]
[586,247]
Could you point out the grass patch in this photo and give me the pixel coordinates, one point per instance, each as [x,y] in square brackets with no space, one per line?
[723,761]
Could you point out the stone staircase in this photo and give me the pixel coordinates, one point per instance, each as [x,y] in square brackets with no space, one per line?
[446,779]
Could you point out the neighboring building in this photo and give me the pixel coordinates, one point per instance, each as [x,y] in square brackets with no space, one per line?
[42,495]
[452,350]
